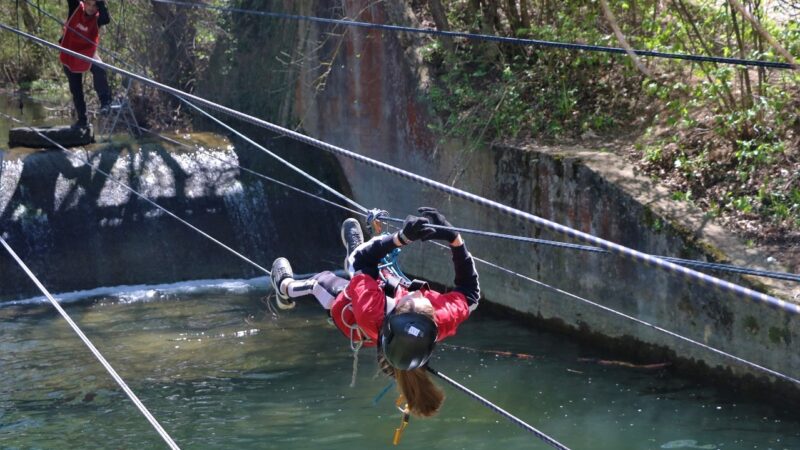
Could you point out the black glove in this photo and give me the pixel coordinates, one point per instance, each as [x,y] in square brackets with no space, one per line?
[437,218]
[414,229]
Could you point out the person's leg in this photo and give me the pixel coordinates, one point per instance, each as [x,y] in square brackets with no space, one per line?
[101,85]
[327,287]
[324,286]
[75,81]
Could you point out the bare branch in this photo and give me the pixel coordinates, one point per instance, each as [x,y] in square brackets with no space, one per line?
[763,32]
[621,38]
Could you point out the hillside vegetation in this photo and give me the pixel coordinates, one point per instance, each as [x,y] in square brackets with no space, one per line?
[723,137]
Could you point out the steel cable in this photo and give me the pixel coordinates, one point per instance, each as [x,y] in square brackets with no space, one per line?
[491,38]
[143,409]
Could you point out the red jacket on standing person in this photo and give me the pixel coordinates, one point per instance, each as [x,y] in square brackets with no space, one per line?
[88,27]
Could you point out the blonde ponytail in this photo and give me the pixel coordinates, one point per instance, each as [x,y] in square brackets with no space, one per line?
[423,396]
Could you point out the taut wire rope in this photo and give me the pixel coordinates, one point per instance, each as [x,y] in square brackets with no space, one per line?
[281,160]
[164,435]
[545,438]
[492,205]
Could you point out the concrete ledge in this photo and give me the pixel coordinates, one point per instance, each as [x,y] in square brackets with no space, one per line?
[65,135]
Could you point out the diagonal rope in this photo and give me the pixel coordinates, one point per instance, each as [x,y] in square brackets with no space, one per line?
[143,197]
[143,409]
[626,252]
[514,419]
[491,38]
[686,262]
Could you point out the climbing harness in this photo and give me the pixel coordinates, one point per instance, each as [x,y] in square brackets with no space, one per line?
[357,339]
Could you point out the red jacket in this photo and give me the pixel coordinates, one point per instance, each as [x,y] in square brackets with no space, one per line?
[369,308]
[88,27]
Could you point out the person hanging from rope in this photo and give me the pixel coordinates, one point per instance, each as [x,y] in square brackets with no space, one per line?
[82,35]
[403,320]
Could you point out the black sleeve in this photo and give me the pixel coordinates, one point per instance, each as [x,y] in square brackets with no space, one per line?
[72,5]
[367,258]
[466,279]
[105,17]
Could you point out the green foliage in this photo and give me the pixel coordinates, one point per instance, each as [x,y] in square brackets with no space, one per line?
[529,91]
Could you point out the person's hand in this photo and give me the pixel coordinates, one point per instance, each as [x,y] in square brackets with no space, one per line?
[437,218]
[414,229]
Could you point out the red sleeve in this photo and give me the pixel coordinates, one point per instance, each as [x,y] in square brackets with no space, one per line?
[450,310]
[369,304]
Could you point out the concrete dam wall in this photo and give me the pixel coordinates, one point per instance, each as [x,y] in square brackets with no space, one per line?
[373,102]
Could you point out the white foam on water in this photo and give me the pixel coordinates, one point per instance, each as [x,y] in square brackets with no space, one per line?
[143,293]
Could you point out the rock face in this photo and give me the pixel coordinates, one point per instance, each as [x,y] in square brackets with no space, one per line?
[361,89]
[64,135]
[76,229]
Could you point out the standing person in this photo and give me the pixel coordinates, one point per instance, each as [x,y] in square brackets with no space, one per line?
[404,322]
[81,35]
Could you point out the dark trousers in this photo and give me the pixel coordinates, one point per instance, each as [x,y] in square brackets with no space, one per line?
[76,88]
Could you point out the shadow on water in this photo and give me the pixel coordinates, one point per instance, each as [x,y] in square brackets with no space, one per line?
[78,230]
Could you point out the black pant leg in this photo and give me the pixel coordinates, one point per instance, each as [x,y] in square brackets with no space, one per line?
[76,89]
[101,84]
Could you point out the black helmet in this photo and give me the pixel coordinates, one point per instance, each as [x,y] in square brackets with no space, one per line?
[407,339]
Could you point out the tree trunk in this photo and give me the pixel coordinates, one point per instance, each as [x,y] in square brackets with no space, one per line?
[524,14]
[440,19]
[513,16]
[177,65]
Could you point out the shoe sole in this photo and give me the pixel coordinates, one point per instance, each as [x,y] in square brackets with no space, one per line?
[283,303]
[344,242]
[276,283]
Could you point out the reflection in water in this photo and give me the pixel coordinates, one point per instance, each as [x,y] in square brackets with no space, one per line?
[32,113]
[218,371]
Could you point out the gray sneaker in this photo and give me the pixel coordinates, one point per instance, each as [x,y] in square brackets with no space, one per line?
[352,237]
[281,270]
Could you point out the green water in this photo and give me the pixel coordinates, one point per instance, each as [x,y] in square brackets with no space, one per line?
[32,113]
[219,371]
